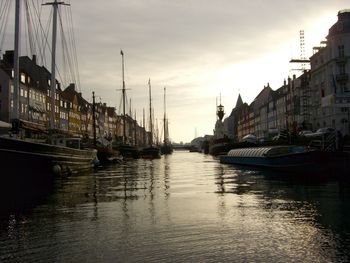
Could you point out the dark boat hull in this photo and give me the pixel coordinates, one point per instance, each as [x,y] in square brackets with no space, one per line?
[150,153]
[289,162]
[166,149]
[106,155]
[25,156]
[128,151]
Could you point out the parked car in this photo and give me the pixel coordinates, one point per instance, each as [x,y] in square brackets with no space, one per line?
[304,132]
[250,138]
[281,136]
[321,132]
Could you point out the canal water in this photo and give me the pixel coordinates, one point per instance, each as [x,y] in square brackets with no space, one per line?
[186,207]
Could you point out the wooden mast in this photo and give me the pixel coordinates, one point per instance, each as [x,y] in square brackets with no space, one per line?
[150,112]
[53,60]
[16,61]
[123,92]
[164,121]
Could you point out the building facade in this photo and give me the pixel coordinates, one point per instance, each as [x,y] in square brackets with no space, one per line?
[330,86]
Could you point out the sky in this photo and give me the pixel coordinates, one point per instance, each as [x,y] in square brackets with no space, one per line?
[198,49]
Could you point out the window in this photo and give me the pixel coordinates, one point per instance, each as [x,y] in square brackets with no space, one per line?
[23,78]
[344,87]
[341,51]
[322,93]
[12,88]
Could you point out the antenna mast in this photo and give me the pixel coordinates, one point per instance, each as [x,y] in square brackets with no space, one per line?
[302,48]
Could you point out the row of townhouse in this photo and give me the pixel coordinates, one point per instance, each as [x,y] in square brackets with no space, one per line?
[320,97]
[73,113]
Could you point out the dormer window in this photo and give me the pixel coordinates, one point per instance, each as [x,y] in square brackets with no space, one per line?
[23,78]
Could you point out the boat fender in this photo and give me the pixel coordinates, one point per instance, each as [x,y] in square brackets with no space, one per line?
[56,169]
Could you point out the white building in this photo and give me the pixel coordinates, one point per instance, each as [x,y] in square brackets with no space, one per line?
[330,87]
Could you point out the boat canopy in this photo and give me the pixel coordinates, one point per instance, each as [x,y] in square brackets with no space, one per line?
[265,151]
[5,124]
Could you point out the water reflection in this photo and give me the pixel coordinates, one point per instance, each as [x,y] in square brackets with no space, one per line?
[317,206]
[186,207]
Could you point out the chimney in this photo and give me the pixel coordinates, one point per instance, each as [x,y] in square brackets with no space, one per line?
[34,59]
[72,86]
[8,57]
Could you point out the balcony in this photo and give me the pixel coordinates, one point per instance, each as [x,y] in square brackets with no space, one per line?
[342,77]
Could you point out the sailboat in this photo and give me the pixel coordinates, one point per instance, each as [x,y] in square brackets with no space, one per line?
[57,155]
[125,148]
[167,147]
[151,151]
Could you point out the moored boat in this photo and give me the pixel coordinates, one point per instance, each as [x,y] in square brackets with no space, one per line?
[151,151]
[287,158]
[125,149]
[58,154]
[57,158]
[166,147]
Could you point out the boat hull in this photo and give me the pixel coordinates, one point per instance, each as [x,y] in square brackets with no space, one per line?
[166,149]
[26,156]
[303,161]
[128,151]
[150,153]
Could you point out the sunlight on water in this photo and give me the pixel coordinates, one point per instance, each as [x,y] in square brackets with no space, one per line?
[186,207]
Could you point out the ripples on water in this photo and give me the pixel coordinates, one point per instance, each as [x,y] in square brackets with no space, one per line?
[186,207]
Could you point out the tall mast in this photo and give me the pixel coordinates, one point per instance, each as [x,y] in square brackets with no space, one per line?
[150,111]
[94,116]
[144,127]
[135,132]
[16,61]
[53,60]
[164,121]
[123,92]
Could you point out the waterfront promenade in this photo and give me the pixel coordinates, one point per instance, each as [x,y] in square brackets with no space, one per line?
[185,207]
